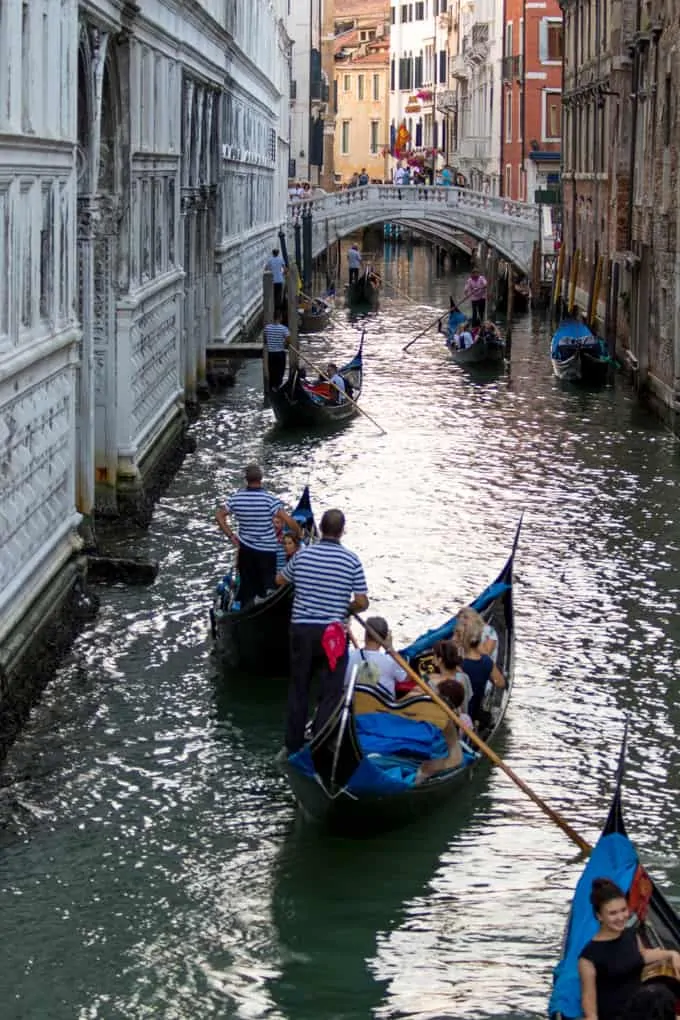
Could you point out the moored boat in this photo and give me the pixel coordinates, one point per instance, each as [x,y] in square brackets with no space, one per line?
[365,289]
[314,315]
[254,638]
[340,782]
[578,355]
[301,403]
[657,923]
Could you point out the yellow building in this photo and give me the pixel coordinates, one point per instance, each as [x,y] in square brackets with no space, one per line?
[361,90]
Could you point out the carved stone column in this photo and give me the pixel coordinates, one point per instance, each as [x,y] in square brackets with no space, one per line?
[85,386]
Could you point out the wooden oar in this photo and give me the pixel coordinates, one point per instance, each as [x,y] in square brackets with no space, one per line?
[428,328]
[323,375]
[475,739]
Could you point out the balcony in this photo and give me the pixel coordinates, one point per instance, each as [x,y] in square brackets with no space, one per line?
[477,149]
[513,68]
[447,101]
[459,67]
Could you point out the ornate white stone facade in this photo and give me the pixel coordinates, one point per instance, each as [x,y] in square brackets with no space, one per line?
[143,169]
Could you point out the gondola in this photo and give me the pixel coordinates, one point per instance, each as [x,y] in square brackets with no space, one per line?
[485,351]
[314,316]
[299,403]
[340,785]
[578,355]
[365,289]
[254,639]
[616,858]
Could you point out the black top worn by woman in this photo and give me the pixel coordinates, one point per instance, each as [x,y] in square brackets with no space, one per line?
[618,967]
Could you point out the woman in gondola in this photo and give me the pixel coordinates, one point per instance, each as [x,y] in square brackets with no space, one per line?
[448,666]
[479,667]
[610,966]
[453,693]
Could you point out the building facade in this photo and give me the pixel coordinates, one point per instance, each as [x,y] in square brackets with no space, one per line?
[312,124]
[476,69]
[531,114]
[361,91]
[621,183]
[419,76]
[143,177]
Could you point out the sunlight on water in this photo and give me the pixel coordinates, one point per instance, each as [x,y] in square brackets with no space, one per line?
[152,863]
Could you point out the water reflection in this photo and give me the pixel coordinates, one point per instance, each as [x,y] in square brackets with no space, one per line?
[151,863]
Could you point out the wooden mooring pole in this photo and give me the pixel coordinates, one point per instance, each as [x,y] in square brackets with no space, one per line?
[268,316]
[573,279]
[510,309]
[293,287]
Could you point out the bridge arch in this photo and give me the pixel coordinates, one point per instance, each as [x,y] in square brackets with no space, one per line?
[510,228]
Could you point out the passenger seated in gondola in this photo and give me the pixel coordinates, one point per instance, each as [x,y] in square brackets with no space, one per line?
[338,387]
[288,542]
[448,666]
[453,693]
[489,331]
[483,672]
[462,339]
[375,667]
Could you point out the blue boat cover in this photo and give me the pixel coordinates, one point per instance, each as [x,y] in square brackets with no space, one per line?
[445,630]
[381,733]
[615,858]
[572,334]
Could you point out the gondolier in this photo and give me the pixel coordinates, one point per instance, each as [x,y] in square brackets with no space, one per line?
[254,509]
[276,341]
[475,289]
[354,263]
[324,576]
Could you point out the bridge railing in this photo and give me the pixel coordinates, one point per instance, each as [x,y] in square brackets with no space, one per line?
[431,197]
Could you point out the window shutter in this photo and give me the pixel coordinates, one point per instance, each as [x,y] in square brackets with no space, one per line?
[543,40]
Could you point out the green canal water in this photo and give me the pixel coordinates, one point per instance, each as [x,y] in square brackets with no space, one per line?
[151,860]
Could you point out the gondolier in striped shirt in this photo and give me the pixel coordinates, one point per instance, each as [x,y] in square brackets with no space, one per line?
[329,583]
[276,341]
[254,509]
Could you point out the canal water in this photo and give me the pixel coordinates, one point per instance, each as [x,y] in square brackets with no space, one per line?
[151,861]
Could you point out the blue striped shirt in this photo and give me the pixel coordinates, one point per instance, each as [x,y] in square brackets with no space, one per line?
[325,576]
[275,336]
[254,510]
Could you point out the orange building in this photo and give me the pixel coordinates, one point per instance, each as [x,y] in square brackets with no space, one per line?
[531,112]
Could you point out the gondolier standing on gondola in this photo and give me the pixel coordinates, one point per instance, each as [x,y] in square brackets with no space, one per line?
[254,509]
[329,583]
[276,341]
[354,263]
[475,289]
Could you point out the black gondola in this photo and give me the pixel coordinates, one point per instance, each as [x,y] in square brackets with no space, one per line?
[616,858]
[364,290]
[254,638]
[300,403]
[330,777]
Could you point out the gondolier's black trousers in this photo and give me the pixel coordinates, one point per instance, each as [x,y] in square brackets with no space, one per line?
[306,657]
[478,312]
[278,296]
[354,275]
[277,367]
[257,570]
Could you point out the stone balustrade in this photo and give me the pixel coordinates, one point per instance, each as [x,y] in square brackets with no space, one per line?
[508,226]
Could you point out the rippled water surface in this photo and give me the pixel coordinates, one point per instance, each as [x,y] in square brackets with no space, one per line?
[151,862]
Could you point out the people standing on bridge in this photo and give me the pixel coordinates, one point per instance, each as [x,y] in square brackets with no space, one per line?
[363,178]
[276,342]
[447,178]
[354,262]
[254,509]
[475,289]
[328,582]
[276,265]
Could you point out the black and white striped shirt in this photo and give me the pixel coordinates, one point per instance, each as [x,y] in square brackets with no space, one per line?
[254,510]
[275,336]
[325,576]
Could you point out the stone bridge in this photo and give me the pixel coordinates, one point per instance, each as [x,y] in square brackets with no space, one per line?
[511,228]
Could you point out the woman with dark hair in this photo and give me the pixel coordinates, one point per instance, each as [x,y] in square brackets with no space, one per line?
[448,666]
[610,966]
[453,693]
